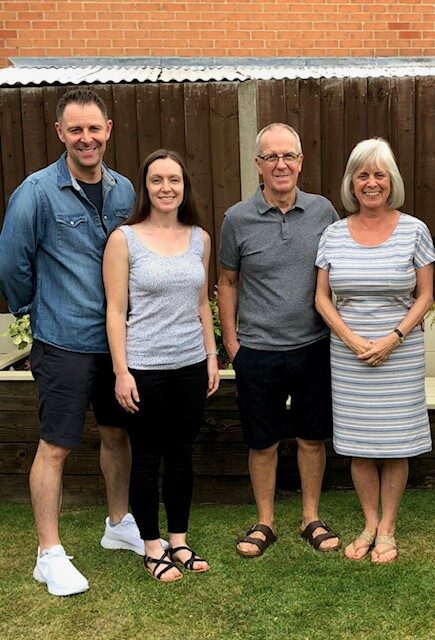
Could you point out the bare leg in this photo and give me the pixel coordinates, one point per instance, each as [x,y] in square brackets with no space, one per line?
[311,463]
[366,482]
[262,469]
[46,491]
[394,476]
[115,462]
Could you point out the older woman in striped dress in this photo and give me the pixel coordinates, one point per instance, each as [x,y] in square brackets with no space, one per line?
[378,263]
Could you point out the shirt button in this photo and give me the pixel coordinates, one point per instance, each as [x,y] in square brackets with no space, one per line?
[105,217]
[72,223]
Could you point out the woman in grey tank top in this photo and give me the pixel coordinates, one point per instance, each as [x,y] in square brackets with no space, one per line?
[162,343]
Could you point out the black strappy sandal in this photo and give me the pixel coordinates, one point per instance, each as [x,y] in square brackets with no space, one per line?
[188,564]
[167,564]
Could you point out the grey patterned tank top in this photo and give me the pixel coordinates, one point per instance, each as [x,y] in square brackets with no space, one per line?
[163,324]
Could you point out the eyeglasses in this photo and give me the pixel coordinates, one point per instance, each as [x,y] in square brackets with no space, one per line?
[273,158]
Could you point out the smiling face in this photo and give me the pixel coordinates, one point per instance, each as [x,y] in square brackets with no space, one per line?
[165,185]
[372,186]
[280,179]
[84,131]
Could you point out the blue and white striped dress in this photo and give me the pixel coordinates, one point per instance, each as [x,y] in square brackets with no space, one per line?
[379,412]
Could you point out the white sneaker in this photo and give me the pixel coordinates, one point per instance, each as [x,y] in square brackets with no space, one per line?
[125,535]
[55,569]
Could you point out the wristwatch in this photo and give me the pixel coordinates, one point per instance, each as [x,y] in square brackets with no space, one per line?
[401,336]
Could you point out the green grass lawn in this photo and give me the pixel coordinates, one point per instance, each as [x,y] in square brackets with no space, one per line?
[291,593]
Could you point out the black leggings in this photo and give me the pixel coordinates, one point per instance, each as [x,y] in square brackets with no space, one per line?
[165,428]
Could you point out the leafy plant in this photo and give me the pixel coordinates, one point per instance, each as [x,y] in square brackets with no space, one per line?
[20,332]
[223,361]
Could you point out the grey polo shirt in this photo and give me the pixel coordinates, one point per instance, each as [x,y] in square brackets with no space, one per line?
[275,255]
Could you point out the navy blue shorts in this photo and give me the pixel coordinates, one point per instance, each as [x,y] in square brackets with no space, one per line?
[67,382]
[265,379]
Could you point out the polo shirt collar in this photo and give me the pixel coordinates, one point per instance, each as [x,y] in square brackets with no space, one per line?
[263,206]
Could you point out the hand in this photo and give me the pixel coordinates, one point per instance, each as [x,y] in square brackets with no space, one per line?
[126,392]
[380,349]
[358,344]
[213,375]
[232,348]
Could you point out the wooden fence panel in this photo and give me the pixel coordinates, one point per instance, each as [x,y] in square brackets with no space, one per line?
[110,157]
[332,140]
[332,115]
[425,152]
[54,145]
[198,157]
[11,133]
[125,131]
[271,103]
[378,108]
[148,119]
[2,194]
[292,103]
[34,140]
[355,113]
[172,117]
[402,133]
[225,153]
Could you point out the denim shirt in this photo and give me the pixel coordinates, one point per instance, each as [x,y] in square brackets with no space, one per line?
[51,248]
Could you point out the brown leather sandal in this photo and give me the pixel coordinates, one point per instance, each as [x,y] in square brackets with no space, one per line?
[316,541]
[262,545]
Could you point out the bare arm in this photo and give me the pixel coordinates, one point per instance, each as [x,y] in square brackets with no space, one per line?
[423,294]
[228,297]
[207,323]
[375,352]
[329,313]
[115,275]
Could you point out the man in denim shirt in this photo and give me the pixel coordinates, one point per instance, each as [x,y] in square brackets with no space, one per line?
[51,247]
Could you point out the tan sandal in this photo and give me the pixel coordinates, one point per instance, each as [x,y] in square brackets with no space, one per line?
[388,540]
[368,540]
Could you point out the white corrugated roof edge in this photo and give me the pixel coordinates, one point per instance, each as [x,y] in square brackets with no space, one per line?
[38,71]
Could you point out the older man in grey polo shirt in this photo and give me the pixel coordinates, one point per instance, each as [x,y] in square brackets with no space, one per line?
[278,343]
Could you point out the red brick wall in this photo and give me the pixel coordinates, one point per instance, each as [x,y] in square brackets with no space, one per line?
[216,28]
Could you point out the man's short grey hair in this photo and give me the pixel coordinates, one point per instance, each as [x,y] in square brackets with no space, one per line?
[273,125]
[372,151]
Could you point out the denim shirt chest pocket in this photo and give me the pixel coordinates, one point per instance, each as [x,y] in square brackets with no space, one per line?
[72,229]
